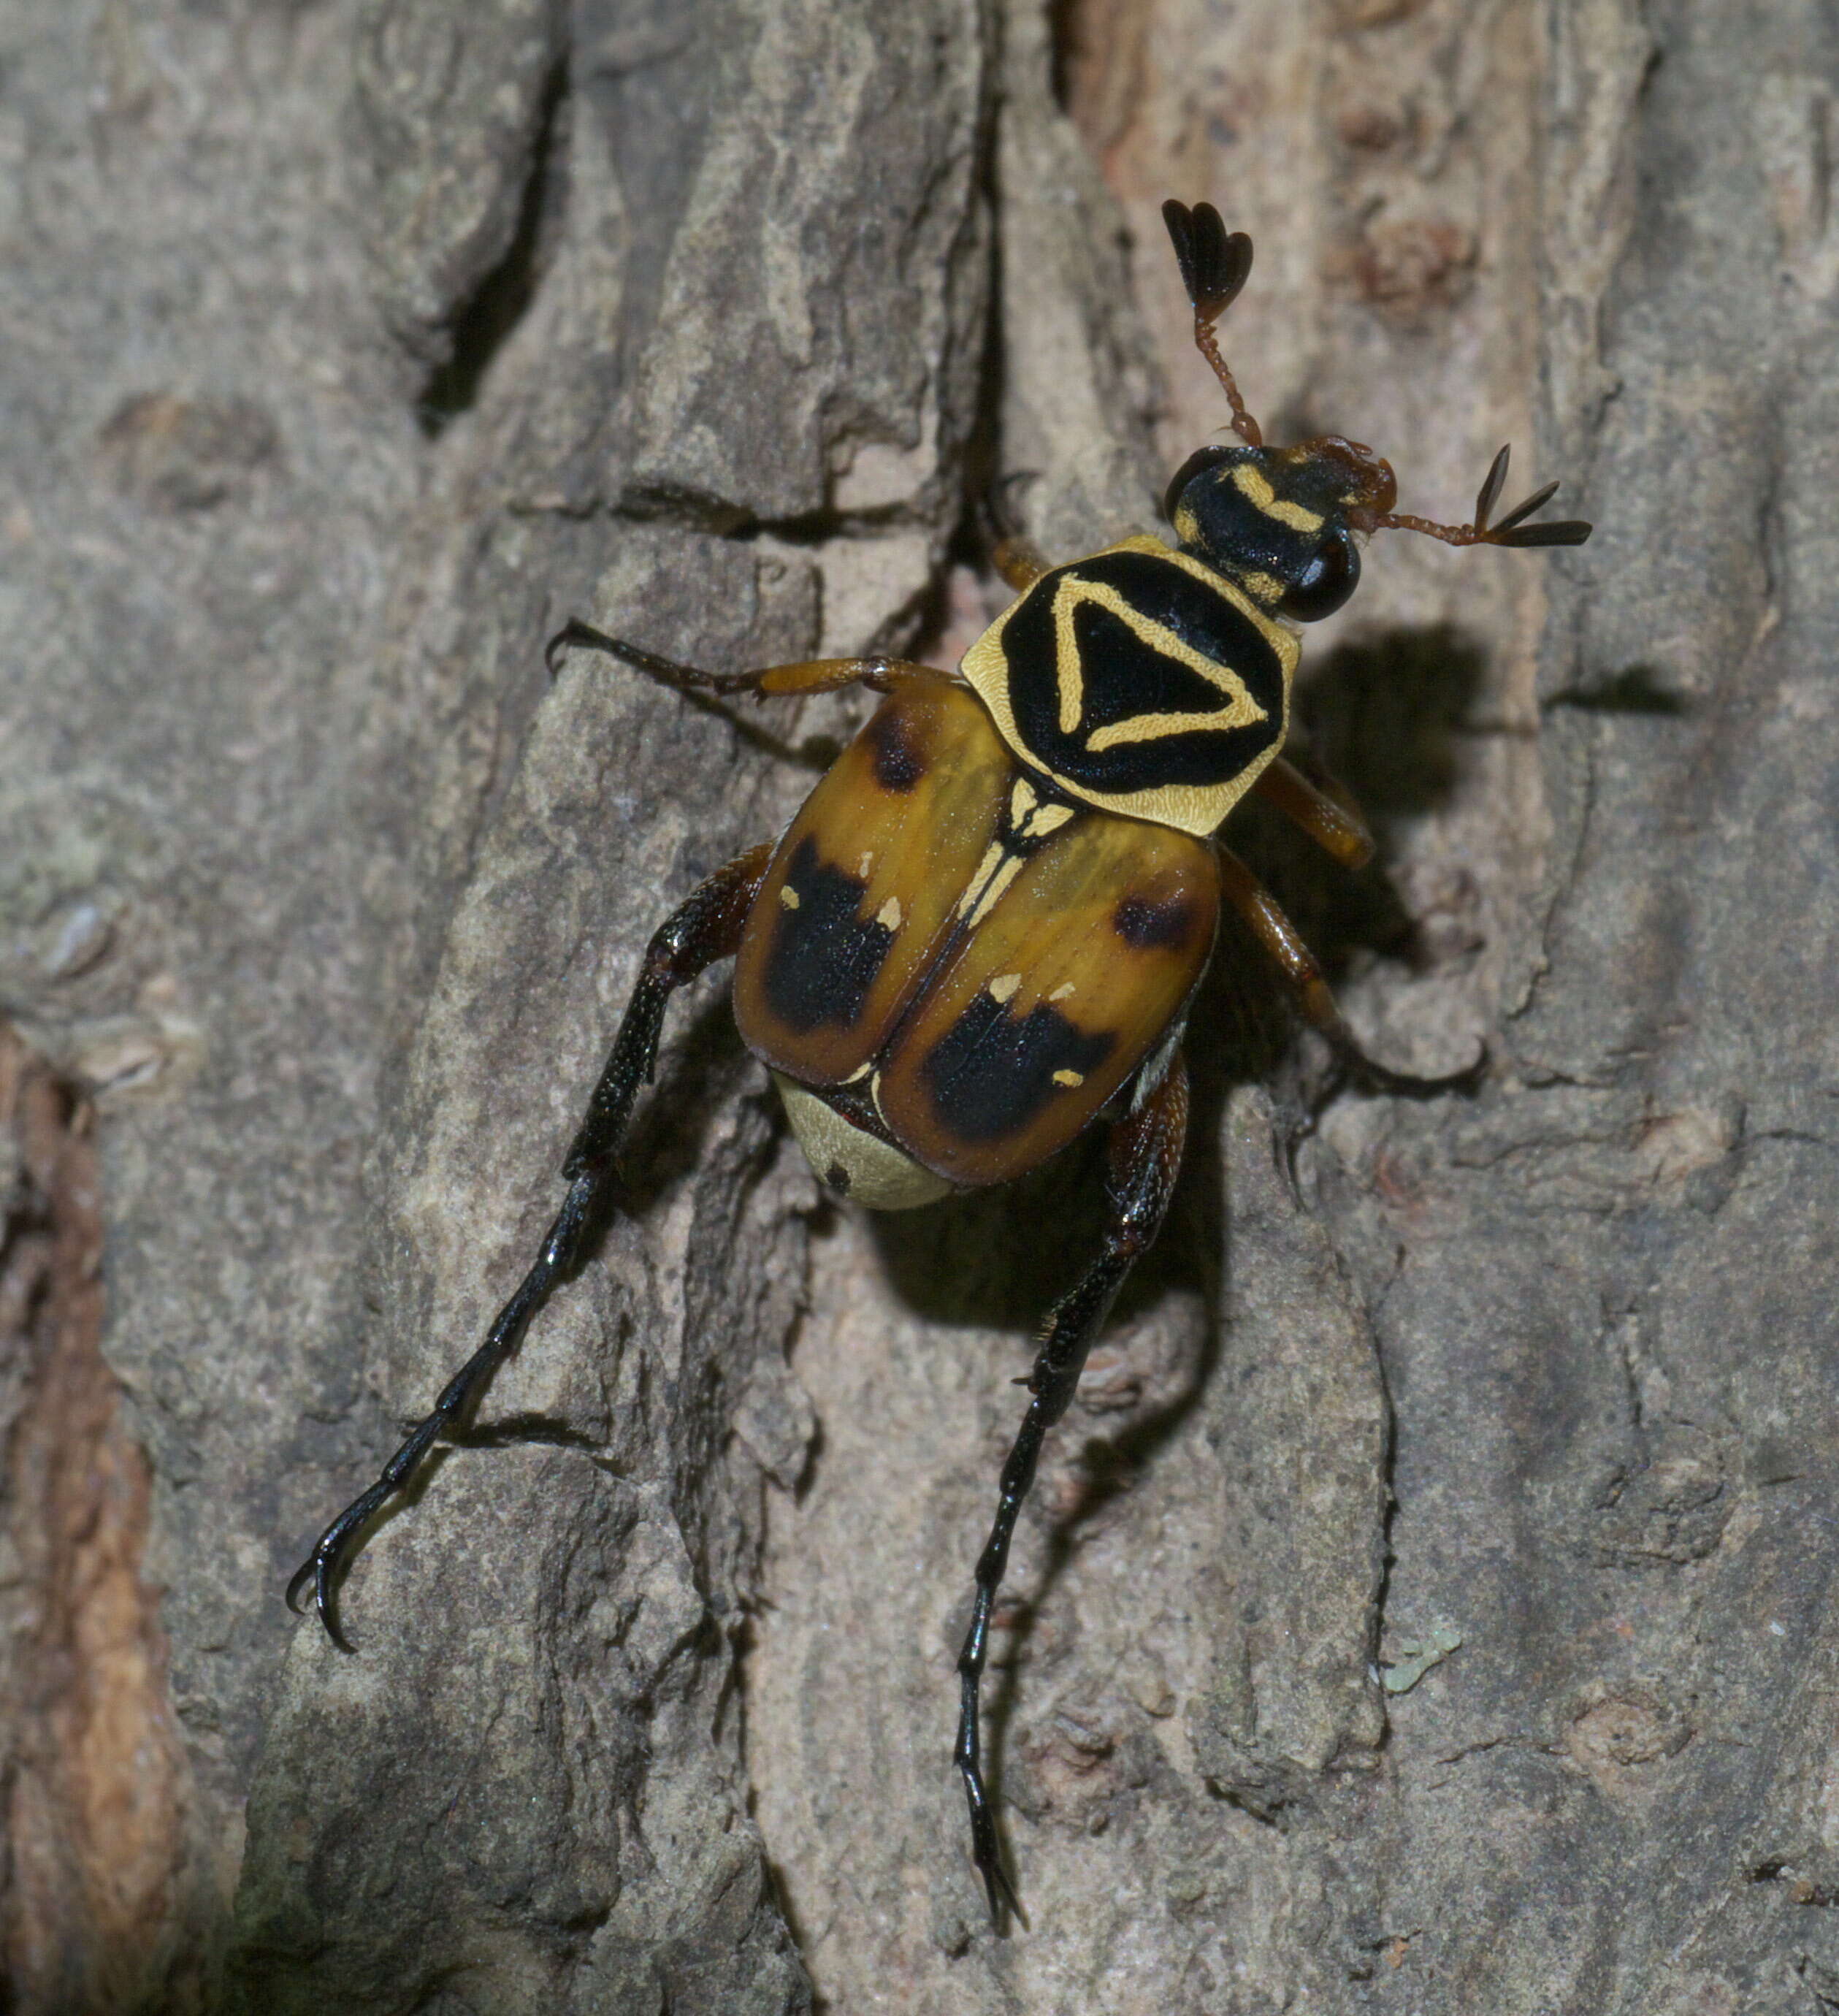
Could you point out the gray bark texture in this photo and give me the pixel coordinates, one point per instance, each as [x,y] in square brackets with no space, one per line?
[1424,1608]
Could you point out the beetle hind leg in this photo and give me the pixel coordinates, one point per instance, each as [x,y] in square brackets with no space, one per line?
[705,928]
[1144,1159]
[1273,929]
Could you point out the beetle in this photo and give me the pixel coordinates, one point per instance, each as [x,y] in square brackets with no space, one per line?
[983,931]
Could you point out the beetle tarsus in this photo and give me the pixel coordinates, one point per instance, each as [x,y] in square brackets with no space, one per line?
[576,636]
[561,1253]
[986,1850]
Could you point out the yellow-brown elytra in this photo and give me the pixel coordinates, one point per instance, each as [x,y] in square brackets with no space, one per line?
[983,931]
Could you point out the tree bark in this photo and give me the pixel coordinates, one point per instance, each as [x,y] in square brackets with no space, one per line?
[1422,1609]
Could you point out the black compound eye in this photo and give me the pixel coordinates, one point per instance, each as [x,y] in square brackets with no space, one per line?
[1202,459]
[1330,575]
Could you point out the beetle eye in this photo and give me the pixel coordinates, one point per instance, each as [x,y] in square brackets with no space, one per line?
[1202,459]
[1331,575]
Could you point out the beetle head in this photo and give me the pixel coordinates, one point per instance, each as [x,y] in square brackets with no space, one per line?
[1282,521]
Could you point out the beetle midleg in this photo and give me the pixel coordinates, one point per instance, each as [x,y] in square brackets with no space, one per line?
[1333,827]
[810,675]
[1143,1158]
[1283,942]
[706,928]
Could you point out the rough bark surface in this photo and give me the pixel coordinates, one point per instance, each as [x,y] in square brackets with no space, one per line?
[1425,1607]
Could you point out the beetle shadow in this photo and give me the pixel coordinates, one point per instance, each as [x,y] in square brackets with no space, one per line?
[1636,689]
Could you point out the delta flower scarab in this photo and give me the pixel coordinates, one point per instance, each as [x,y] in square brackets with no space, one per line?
[981,933]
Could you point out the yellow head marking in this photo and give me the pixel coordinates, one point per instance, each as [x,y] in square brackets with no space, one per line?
[1255,485]
[789,896]
[1294,516]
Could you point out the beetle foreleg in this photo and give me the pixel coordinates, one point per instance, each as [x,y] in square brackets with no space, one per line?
[1020,561]
[1144,1156]
[706,927]
[810,675]
[1333,826]
[1284,942]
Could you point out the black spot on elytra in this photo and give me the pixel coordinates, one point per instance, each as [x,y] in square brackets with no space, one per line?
[900,763]
[991,1073]
[823,959]
[836,1177]
[1151,926]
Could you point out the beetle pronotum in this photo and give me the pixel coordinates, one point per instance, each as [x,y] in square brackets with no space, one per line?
[982,932]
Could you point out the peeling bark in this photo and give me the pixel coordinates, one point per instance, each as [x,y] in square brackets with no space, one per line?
[94,1779]
[1424,1606]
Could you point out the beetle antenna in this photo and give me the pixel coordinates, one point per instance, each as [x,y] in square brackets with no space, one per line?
[1508,531]
[1214,264]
